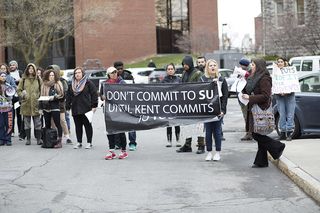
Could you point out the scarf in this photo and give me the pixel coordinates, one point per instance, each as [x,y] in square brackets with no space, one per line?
[252,84]
[45,88]
[77,88]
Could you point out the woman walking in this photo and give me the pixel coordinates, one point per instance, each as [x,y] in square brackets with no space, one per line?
[171,78]
[29,91]
[258,91]
[82,97]
[215,128]
[53,88]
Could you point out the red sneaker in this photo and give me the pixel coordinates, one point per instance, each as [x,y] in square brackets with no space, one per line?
[123,155]
[110,156]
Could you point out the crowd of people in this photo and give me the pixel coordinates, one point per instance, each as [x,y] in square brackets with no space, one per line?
[80,96]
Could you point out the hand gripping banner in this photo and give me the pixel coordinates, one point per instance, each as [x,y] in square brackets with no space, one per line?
[133,107]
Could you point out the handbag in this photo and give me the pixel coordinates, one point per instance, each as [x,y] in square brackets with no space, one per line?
[49,137]
[263,120]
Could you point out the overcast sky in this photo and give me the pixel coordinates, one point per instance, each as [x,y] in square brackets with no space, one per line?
[239,16]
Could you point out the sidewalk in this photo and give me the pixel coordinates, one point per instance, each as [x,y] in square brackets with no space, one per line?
[301,162]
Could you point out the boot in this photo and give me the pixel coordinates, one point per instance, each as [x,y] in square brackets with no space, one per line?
[200,145]
[247,137]
[186,147]
[169,138]
[28,134]
[58,145]
[38,134]
[281,137]
[178,140]
[289,136]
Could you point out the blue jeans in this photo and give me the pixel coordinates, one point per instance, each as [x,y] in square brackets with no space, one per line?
[6,124]
[67,120]
[286,108]
[132,138]
[215,129]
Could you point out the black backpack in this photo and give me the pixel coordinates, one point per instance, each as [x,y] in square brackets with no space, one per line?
[49,137]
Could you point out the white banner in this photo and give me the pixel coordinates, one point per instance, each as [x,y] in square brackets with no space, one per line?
[285,80]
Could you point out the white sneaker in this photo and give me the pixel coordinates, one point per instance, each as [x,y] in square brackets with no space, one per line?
[79,145]
[209,157]
[89,146]
[216,157]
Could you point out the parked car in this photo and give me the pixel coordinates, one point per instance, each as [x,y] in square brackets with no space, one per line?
[307,111]
[96,76]
[306,64]
[67,74]
[140,75]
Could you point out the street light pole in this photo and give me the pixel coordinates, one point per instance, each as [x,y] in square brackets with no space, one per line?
[223,36]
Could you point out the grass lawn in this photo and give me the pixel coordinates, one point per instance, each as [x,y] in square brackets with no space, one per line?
[160,61]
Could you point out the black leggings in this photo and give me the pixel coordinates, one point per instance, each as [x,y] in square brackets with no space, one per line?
[112,141]
[169,132]
[79,121]
[265,143]
[56,118]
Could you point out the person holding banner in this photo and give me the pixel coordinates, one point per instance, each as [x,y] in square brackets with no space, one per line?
[215,128]
[286,106]
[114,79]
[258,91]
[82,97]
[190,75]
[52,87]
[171,78]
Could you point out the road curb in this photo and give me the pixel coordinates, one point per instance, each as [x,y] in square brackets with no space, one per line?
[308,183]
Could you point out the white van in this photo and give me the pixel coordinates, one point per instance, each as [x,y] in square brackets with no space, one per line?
[306,64]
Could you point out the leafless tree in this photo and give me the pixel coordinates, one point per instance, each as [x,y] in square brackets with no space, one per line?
[197,42]
[31,27]
[293,38]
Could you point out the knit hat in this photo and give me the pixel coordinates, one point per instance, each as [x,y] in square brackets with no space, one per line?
[3,72]
[117,63]
[244,61]
[111,69]
[61,72]
[14,62]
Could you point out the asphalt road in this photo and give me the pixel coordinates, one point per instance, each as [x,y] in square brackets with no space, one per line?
[152,179]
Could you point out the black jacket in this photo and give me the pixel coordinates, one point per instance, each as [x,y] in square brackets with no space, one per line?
[224,90]
[170,79]
[126,75]
[55,104]
[83,102]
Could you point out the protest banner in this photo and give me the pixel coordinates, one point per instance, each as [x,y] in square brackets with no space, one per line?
[132,107]
[285,80]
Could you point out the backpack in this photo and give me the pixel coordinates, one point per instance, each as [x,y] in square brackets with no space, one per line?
[49,137]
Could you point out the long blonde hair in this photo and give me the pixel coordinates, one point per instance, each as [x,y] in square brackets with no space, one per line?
[216,69]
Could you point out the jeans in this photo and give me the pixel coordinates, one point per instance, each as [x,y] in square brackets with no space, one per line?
[286,108]
[6,124]
[67,120]
[132,138]
[215,129]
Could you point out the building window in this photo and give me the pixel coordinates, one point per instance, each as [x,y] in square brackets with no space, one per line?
[279,14]
[172,18]
[300,11]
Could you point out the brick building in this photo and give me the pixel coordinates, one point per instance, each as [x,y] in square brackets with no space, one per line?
[141,29]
